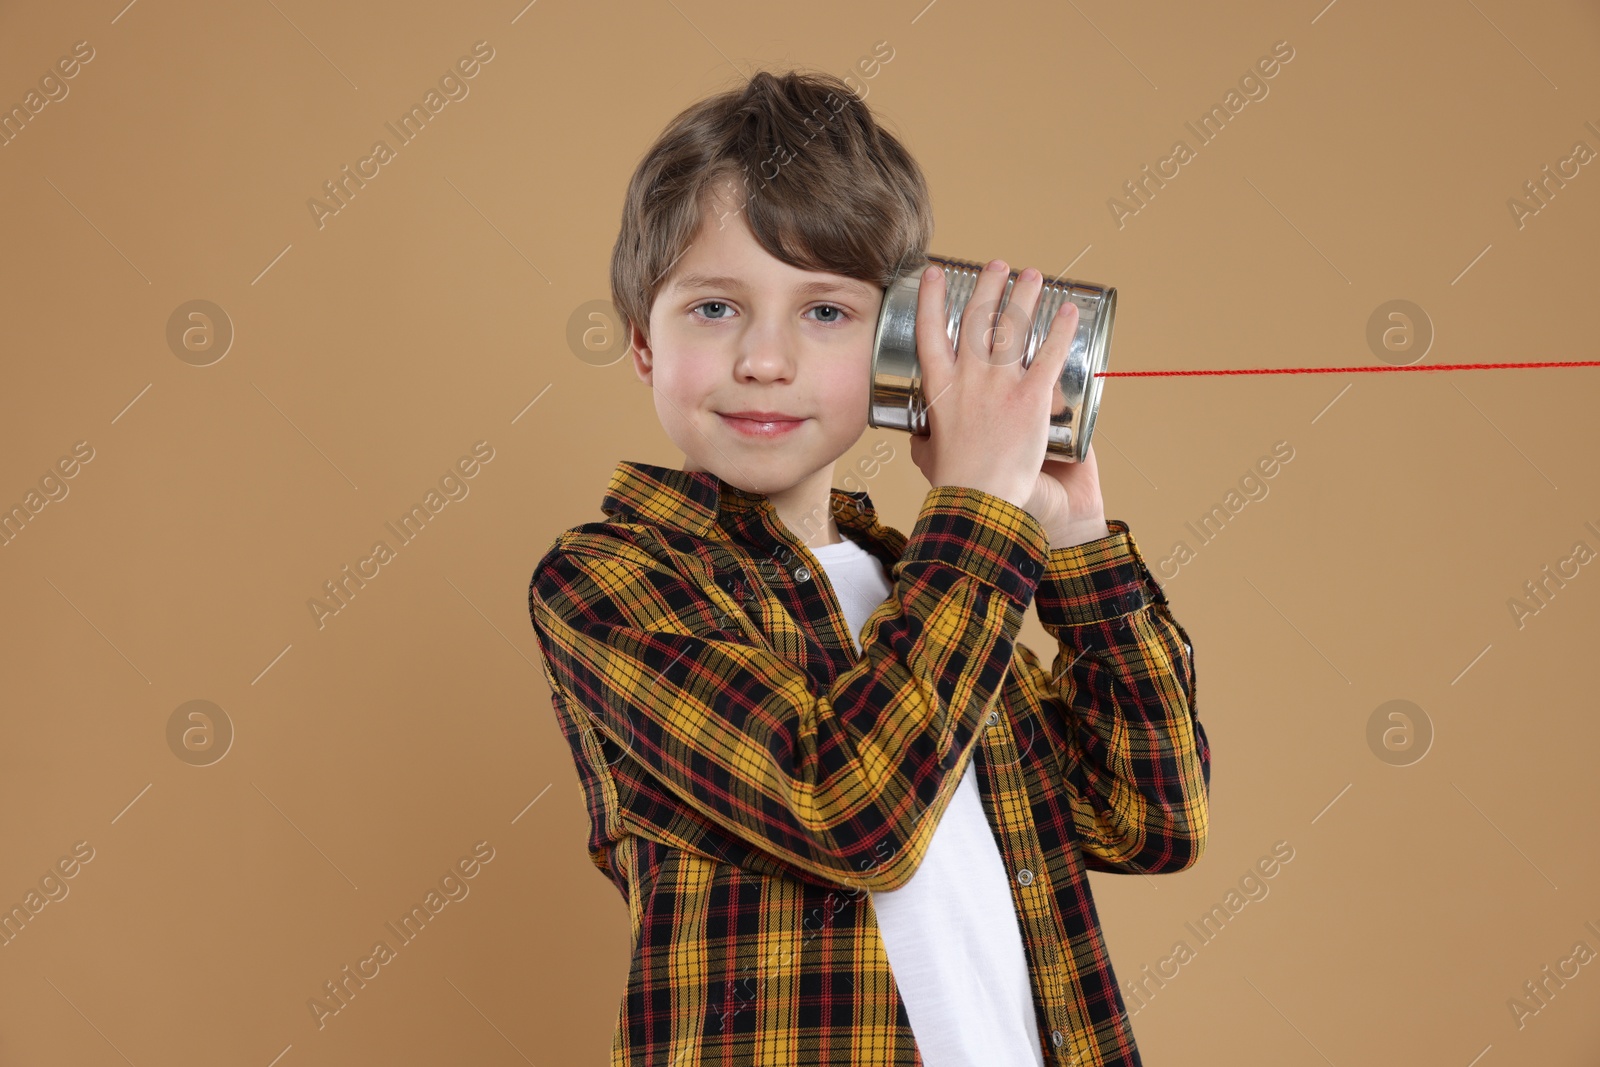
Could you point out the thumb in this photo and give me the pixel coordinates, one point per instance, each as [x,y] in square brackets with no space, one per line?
[919,454]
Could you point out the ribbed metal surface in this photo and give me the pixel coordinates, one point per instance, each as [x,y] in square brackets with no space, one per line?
[897,399]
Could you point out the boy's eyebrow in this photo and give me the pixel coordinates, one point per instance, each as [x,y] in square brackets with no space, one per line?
[722,281]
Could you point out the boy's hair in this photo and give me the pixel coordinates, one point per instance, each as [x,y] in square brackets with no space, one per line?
[823,187]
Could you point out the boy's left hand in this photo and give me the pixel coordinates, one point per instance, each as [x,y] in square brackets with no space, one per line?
[1067,499]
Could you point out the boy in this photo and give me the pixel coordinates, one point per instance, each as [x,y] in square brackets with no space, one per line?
[850,817]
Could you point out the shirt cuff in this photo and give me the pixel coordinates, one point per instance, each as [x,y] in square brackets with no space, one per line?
[1096,581]
[987,536]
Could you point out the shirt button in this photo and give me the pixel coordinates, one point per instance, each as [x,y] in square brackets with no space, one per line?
[802,574]
[994,717]
[1056,1038]
[1025,877]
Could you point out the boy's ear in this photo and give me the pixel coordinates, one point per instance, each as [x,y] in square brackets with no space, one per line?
[639,348]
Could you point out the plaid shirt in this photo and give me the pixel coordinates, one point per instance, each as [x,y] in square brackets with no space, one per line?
[750,777]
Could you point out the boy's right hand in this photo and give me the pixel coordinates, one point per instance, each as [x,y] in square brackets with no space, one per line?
[988,417]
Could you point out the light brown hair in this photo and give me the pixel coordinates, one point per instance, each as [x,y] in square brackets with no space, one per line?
[822,185]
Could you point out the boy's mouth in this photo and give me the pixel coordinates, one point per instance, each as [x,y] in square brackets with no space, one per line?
[761,423]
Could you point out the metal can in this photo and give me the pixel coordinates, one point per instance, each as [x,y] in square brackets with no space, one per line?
[897,400]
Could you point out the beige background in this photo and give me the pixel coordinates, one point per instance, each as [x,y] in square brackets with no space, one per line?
[370,354]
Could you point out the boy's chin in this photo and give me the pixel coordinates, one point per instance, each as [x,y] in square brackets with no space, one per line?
[771,475]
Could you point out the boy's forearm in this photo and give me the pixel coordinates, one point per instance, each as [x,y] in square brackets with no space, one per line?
[1079,533]
[1124,682]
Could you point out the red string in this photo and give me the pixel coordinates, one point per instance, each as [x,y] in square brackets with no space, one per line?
[1340,370]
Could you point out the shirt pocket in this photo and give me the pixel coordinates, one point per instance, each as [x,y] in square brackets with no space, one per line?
[745,603]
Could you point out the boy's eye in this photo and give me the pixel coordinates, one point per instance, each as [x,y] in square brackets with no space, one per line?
[831,313]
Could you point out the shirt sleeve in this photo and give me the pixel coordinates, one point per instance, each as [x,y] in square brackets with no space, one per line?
[1135,758]
[830,782]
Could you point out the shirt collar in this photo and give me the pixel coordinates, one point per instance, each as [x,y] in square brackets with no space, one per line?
[700,502]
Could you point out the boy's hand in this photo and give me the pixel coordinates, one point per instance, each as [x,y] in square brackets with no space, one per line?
[988,417]
[1067,502]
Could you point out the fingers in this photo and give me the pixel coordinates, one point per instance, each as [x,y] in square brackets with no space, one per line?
[1016,325]
[981,321]
[998,337]
[1057,347]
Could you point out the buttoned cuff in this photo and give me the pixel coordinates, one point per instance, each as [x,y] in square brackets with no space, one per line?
[987,536]
[1096,581]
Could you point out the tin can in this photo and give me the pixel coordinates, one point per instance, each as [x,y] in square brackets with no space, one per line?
[897,400]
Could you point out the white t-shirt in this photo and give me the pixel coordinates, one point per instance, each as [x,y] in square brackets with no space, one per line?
[951,932]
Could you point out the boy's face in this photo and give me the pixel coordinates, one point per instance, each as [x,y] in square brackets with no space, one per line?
[736,330]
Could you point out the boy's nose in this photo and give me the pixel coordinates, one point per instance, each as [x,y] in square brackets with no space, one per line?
[767,359]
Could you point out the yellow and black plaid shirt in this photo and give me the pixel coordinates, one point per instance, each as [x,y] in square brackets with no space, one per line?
[749,776]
